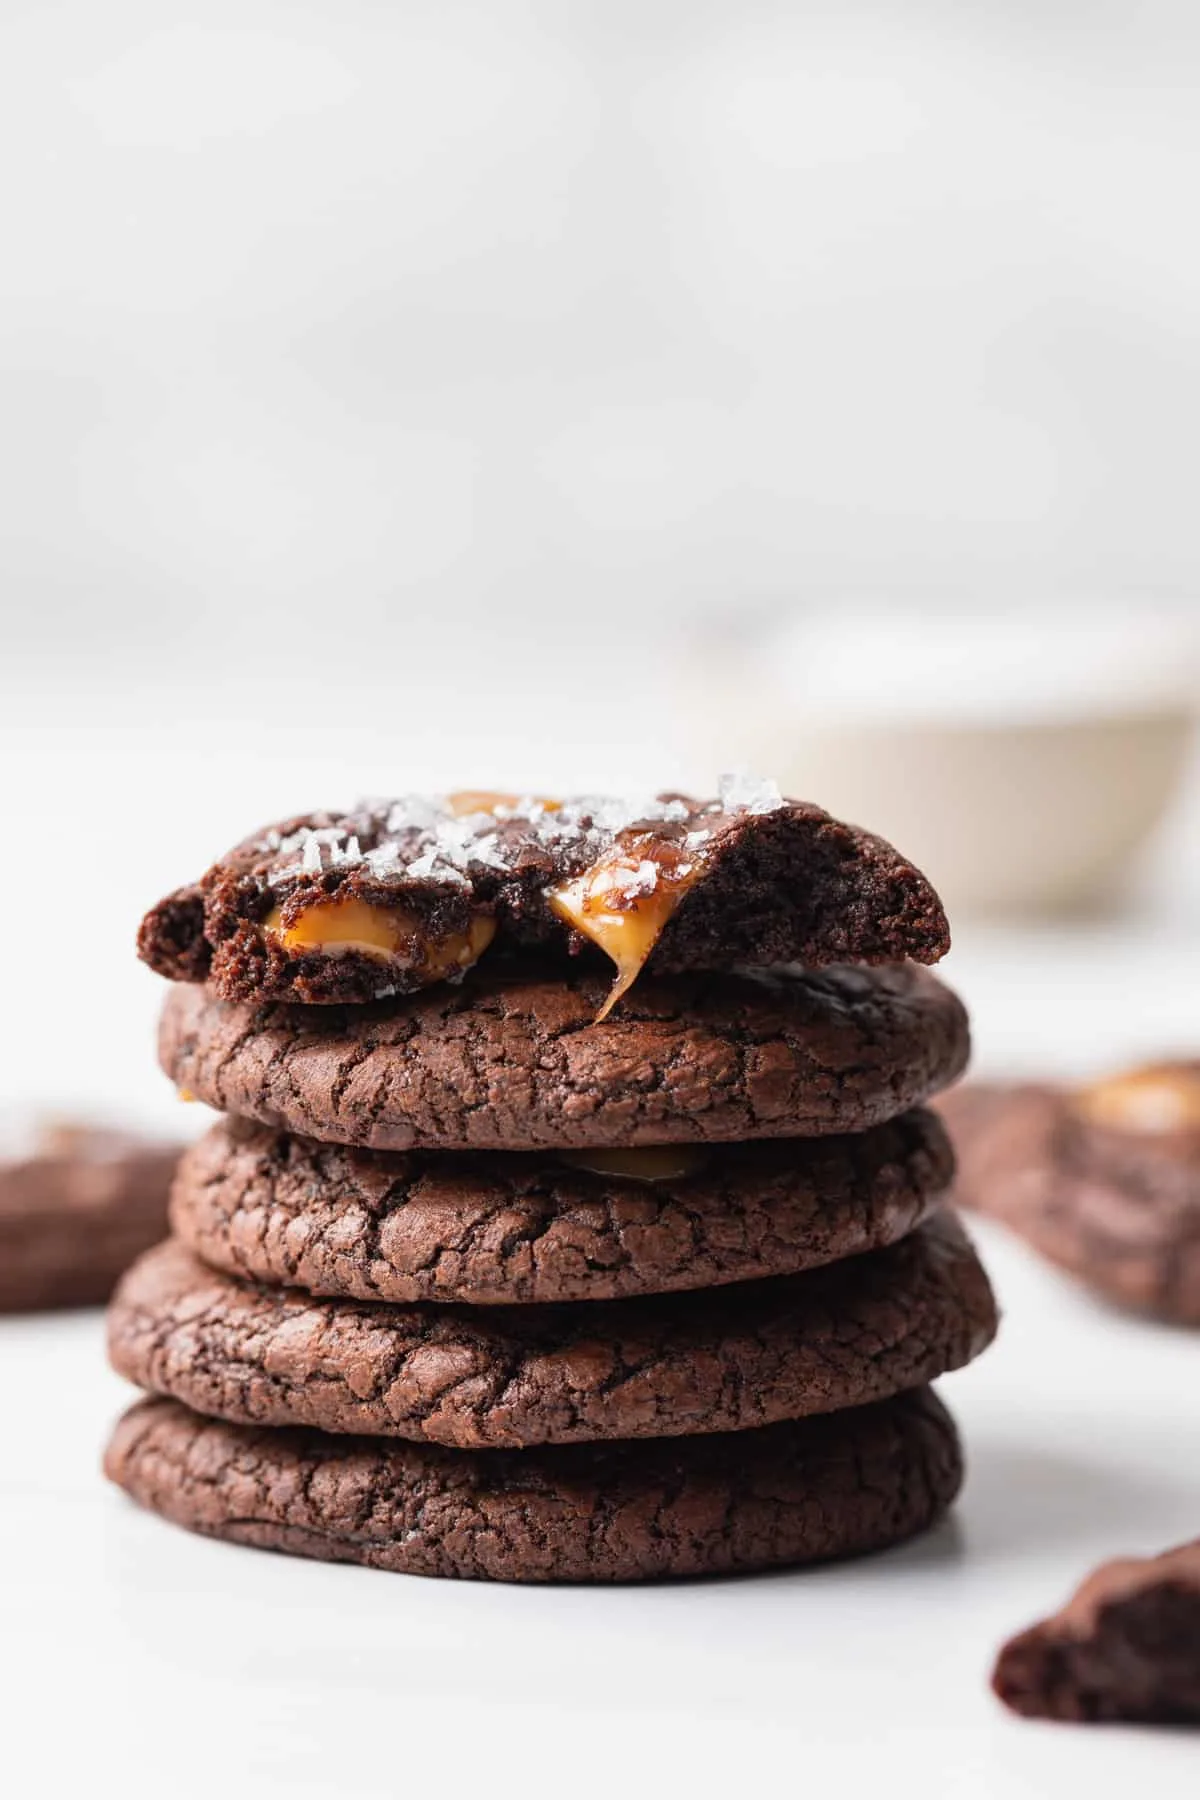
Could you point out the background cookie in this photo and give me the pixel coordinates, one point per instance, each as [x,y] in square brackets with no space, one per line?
[77,1204]
[1104,1181]
[1126,1646]
[480,1376]
[519,1063]
[502,1228]
[791,1493]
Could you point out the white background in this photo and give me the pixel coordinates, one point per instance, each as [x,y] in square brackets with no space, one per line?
[387,393]
[366,319]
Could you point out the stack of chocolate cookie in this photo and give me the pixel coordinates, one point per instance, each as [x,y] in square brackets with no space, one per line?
[575,1216]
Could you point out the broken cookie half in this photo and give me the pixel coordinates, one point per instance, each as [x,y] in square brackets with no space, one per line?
[1125,1647]
[399,894]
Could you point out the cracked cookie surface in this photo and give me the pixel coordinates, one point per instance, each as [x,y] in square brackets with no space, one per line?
[475,1377]
[519,1062]
[77,1205]
[510,1228]
[785,1494]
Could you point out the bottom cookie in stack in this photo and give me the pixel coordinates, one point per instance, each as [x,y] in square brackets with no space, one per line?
[783,1494]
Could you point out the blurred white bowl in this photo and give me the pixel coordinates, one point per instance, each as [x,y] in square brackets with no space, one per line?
[1010,818]
[1021,760]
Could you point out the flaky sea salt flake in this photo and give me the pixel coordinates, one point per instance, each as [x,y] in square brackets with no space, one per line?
[341,854]
[384,860]
[414,812]
[431,865]
[455,838]
[742,792]
[489,851]
[425,865]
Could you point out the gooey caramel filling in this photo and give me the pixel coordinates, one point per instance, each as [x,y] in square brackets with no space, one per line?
[623,902]
[654,1162]
[1161,1098]
[340,927]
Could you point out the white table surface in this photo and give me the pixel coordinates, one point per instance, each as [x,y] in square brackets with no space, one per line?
[134,1654]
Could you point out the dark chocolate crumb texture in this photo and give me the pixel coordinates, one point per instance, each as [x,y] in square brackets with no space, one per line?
[787,1494]
[479,1377]
[398,894]
[496,1228]
[1125,1647]
[515,1062]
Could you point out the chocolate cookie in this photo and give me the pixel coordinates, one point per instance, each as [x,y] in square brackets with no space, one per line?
[506,1376]
[77,1205]
[785,1494]
[499,1228]
[516,1062]
[1127,1646]
[1103,1180]
[347,907]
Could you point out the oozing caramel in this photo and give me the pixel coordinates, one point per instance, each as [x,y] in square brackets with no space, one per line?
[623,902]
[339,927]
[654,1162]
[1161,1098]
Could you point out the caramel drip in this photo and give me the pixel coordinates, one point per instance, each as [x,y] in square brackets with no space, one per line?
[623,902]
